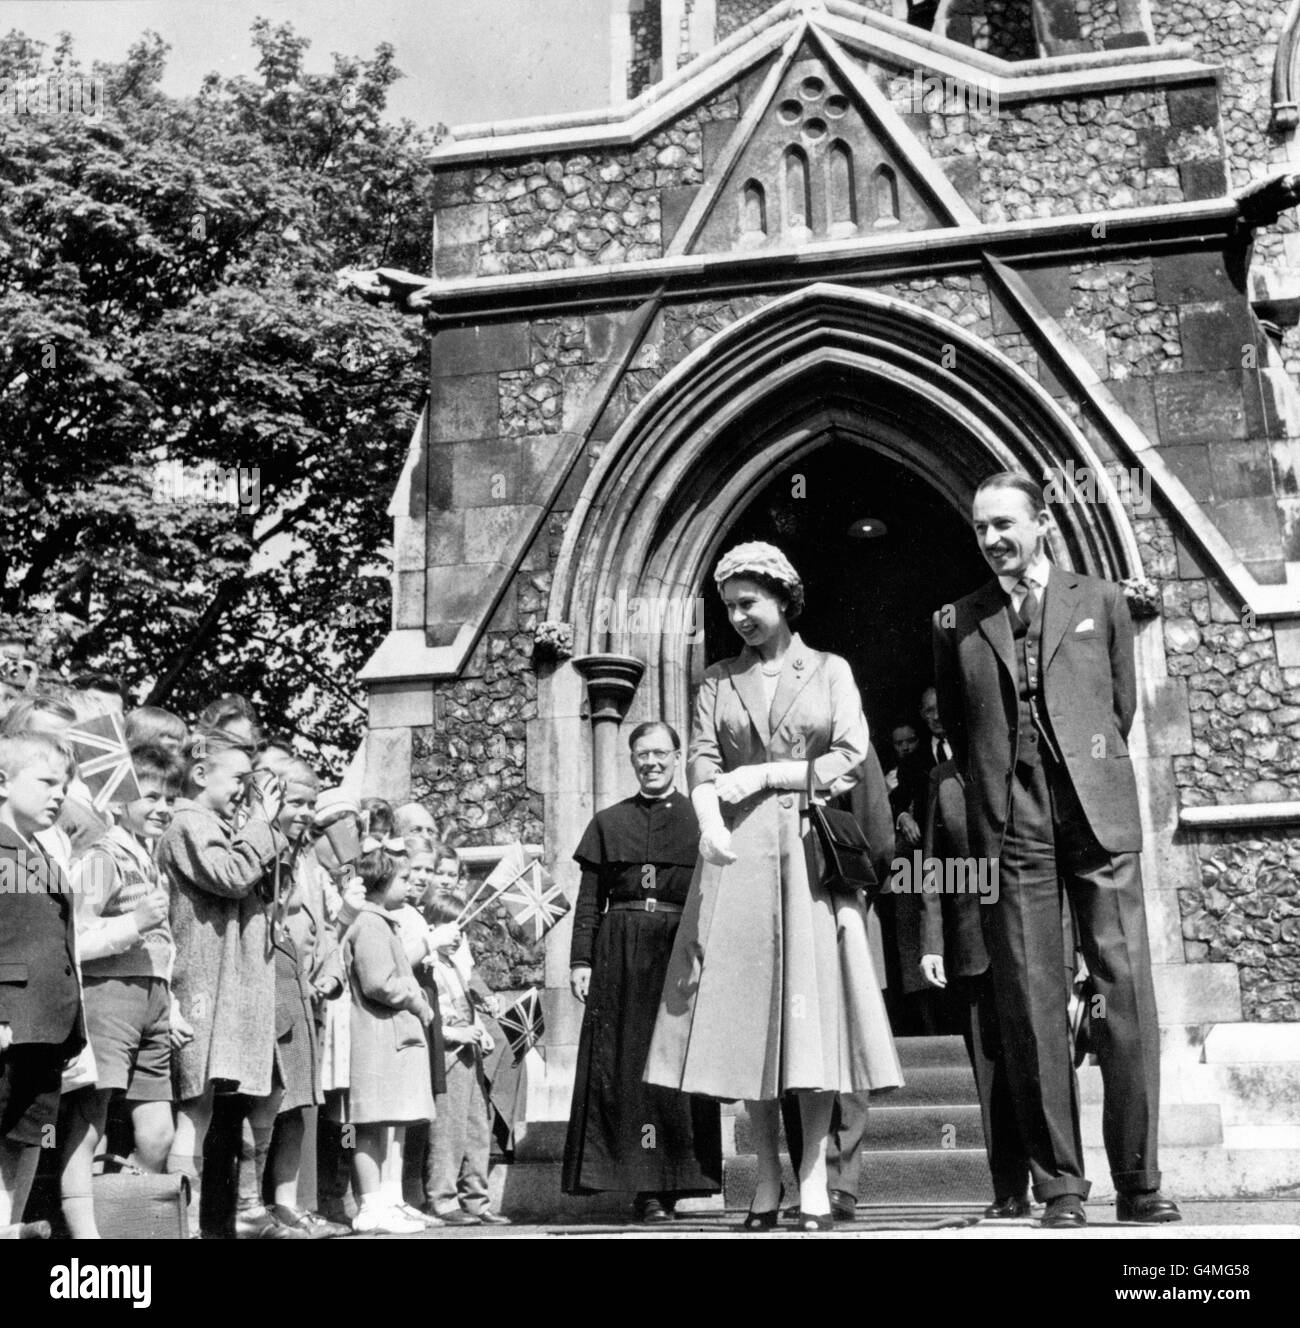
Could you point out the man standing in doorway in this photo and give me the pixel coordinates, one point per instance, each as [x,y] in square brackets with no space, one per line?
[922,1008]
[1036,684]
[903,741]
[914,773]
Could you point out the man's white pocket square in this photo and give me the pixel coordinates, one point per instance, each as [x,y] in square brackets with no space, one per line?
[1086,625]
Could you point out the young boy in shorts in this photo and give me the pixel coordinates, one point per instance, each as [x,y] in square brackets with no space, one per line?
[41,1025]
[126,963]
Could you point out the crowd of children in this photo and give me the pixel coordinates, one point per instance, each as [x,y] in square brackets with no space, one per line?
[230,963]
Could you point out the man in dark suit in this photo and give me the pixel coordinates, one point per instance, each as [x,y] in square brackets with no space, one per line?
[954,958]
[1036,685]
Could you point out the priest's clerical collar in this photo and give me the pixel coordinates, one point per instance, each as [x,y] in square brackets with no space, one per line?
[656,797]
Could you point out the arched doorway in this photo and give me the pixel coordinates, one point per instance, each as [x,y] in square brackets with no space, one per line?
[826,367]
[869,593]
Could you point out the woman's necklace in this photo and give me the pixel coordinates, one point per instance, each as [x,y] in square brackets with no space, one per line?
[772,670]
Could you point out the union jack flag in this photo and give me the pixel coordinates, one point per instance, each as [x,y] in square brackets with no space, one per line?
[104,760]
[524,1023]
[534,900]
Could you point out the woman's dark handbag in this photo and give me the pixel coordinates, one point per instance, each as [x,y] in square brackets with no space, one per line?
[845,854]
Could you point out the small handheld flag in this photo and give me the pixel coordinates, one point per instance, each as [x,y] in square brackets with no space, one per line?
[535,901]
[514,860]
[524,1023]
[104,760]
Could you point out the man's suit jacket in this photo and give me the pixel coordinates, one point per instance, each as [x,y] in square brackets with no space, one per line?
[1089,692]
[40,995]
[951,925]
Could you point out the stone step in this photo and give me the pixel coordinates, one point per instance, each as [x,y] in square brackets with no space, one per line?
[916,1053]
[955,1176]
[1197,993]
[891,1128]
[1254,1094]
[1245,1094]
[1212,1173]
[933,1085]
[1230,1044]
[1182,1125]
[530,1191]
[1261,1136]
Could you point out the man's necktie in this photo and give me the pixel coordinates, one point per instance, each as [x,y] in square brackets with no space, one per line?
[1029,604]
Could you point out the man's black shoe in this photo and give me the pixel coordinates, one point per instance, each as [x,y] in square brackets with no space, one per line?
[844,1206]
[650,1209]
[1149,1206]
[1011,1205]
[1065,1213]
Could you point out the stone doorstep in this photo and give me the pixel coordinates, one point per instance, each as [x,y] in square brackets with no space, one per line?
[1255,1094]
[1230,1044]
[1251,1094]
[531,1190]
[1261,1136]
[1182,1125]
[1211,1173]
[1197,993]
[903,1176]
[890,1129]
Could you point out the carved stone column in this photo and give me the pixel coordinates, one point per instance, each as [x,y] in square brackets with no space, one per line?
[611,684]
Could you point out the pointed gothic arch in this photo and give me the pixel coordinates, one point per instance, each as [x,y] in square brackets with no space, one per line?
[826,361]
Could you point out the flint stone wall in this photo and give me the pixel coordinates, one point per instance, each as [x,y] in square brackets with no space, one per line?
[1242,36]
[1018,161]
[571,210]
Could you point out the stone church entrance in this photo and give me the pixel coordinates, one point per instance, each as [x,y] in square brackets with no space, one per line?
[779,296]
[878,548]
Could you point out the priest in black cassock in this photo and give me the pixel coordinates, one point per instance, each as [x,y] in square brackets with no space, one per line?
[637,859]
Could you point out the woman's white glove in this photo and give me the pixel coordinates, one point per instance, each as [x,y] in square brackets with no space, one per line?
[741,783]
[715,838]
[715,846]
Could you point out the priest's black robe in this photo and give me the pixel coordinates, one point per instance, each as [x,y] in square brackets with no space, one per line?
[625,1134]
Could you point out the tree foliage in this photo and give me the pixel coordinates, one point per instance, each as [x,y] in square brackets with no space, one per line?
[168,300]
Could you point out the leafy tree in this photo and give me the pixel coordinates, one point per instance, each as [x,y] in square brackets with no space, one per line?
[168,294]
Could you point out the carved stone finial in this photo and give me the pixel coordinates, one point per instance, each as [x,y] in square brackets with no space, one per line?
[553,640]
[1143,596]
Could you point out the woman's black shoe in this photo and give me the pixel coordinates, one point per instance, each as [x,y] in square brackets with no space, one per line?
[815,1222]
[763,1221]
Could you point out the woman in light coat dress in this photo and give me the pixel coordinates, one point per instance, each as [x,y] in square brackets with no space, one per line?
[771,986]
